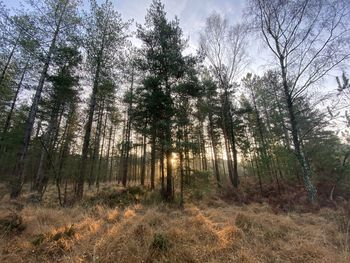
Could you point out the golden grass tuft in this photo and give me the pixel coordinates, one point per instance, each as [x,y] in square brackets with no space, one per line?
[113,216]
[231,235]
[129,213]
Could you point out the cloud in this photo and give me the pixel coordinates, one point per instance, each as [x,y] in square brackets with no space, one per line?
[191,13]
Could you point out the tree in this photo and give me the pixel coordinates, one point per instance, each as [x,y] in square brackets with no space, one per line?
[63,95]
[56,19]
[308,39]
[211,109]
[105,37]
[165,66]
[19,49]
[224,47]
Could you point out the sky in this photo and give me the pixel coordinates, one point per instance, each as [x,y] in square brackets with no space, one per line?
[192,15]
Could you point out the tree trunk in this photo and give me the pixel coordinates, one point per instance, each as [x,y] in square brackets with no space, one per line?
[101,153]
[228,156]
[143,165]
[49,141]
[112,157]
[96,150]
[310,188]
[8,61]
[80,184]
[181,180]
[18,173]
[162,170]
[13,104]
[110,131]
[203,151]
[122,152]
[234,153]
[211,134]
[128,131]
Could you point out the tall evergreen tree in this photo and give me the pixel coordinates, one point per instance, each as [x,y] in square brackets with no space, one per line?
[165,65]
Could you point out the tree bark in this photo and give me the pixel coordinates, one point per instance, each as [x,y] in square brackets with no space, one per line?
[216,166]
[80,184]
[310,188]
[143,165]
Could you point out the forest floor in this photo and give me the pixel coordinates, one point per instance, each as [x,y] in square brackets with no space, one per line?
[135,226]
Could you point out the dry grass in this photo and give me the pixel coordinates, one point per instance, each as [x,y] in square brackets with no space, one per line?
[207,231]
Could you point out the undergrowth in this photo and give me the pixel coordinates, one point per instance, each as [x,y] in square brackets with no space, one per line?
[134,225]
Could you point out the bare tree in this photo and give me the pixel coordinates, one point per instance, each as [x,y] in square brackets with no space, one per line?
[224,47]
[308,39]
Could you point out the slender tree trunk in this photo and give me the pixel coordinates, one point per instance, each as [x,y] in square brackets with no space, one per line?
[88,127]
[280,112]
[143,165]
[18,180]
[122,152]
[258,172]
[128,131]
[96,150]
[110,131]
[8,61]
[126,154]
[235,161]
[113,153]
[13,104]
[153,157]
[49,141]
[55,141]
[135,161]
[203,151]
[162,171]
[310,188]
[187,158]
[216,166]
[181,179]
[101,154]
[228,156]
[168,147]
[63,155]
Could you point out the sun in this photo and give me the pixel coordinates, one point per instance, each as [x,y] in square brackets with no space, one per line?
[173,159]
